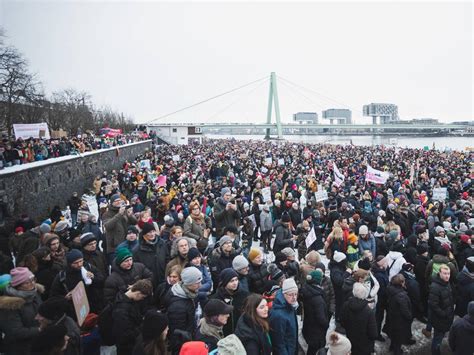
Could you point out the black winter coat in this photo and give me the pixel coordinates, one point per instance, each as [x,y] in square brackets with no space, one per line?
[237,300]
[257,276]
[97,259]
[399,314]
[441,304]
[316,315]
[338,274]
[461,336]
[382,277]
[120,279]
[253,337]
[413,290]
[465,292]
[126,321]
[154,257]
[220,261]
[283,238]
[359,322]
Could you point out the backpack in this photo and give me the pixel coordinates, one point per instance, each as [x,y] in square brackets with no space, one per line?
[105,325]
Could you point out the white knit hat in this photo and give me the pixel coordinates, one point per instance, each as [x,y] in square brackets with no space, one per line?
[338,256]
[289,285]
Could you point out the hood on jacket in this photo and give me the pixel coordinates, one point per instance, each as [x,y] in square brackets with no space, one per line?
[280,302]
[440,259]
[394,255]
[230,345]
[309,291]
[468,323]
[11,303]
[177,290]
[394,290]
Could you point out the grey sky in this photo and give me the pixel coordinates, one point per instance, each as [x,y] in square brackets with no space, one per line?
[150,58]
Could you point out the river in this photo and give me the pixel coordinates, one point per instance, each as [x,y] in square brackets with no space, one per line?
[441,143]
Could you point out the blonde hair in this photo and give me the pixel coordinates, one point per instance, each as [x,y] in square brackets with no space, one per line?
[337,233]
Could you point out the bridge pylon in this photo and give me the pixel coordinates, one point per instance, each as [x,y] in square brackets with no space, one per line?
[273,99]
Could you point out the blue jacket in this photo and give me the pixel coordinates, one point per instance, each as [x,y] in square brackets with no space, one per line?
[367,245]
[127,244]
[206,283]
[284,327]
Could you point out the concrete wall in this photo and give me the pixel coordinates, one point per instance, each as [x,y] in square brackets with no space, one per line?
[35,188]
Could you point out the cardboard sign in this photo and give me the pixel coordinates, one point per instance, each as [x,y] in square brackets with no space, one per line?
[267,194]
[281,162]
[440,193]
[145,164]
[162,180]
[176,158]
[321,194]
[311,238]
[80,301]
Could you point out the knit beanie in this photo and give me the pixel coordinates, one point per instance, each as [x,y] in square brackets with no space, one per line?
[20,275]
[122,254]
[338,344]
[194,348]
[61,226]
[280,257]
[289,285]
[364,264]
[239,263]
[49,237]
[360,291]
[253,253]
[422,248]
[224,239]
[226,275]
[288,252]
[275,272]
[315,276]
[338,256]
[45,228]
[285,218]
[86,238]
[147,228]
[73,255]
[154,323]
[5,280]
[191,275]
[363,230]
[393,234]
[224,191]
[132,229]
[193,253]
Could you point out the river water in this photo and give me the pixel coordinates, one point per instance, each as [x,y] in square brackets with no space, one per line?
[419,142]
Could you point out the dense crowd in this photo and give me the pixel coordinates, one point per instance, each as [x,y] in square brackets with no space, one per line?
[23,151]
[246,247]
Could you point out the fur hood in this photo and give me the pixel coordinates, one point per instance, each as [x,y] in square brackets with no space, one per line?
[11,303]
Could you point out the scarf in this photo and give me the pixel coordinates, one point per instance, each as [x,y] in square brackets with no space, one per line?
[190,294]
[212,330]
[199,219]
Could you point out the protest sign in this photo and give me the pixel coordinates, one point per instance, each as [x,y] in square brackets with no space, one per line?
[376,176]
[311,238]
[440,193]
[281,162]
[321,194]
[80,301]
[268,161]
[161,180]
[267,195]
[145,164]
[338,177]
[176,158]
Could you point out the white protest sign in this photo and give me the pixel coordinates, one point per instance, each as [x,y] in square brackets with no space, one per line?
[311,238]
[267,194]
[145,164]
[281,162]
[440,193]
[268,160]
[303,198]
[321,194]
[176,158]
[264,170]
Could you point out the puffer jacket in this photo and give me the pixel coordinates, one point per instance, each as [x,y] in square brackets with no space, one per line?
[316,315]
[283,238]
[18,310]
[441,303]
[399,314]
[284,326]
[154,257]
[465,291]
[395,261]
[461,336]
[236,300]
[119,279]
[258,278]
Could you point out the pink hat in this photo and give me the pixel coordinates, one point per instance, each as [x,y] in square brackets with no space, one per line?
[20,275]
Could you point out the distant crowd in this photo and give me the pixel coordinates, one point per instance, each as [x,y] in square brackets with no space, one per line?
[24,151]
[250,247]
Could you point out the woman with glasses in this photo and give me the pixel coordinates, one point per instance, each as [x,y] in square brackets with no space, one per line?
[18,308]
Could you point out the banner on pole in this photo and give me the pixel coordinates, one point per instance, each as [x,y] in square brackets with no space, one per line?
[338,177]
[376,176]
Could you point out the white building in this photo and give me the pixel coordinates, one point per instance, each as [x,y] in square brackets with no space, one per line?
[176,134]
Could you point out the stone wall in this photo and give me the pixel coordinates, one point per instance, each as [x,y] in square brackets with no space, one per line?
[35,188]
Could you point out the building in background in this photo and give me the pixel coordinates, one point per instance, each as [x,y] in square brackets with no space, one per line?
[387,113]
[306,117]
[338,115]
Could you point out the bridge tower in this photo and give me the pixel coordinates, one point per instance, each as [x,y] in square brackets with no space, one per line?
[273,98]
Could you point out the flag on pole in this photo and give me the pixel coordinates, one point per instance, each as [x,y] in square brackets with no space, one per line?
[376,176]
[338,177]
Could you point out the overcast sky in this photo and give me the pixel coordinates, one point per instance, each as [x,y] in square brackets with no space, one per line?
[147,59]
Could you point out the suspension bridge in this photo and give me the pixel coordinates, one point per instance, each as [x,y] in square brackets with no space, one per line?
[278,127]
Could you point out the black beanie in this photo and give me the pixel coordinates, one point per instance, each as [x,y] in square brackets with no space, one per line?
[48,339]
[53,308]
[193,253]
[364,264]
[422,248]
[226,275]
[153,324]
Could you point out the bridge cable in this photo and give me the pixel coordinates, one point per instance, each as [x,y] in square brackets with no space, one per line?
[206,100]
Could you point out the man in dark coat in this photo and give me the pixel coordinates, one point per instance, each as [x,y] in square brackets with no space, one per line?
[125,272]
[116,221]
[338,273]
[226,213]
[152,252]
[461,335]
[258,273]
[92,255]
[379,270]
[316,313]
[127,317]
[283,235]
[359,321]
[230,293]
[399,314]
[441,304]
[181,308]
[221,258]
[66,280]
[465,287]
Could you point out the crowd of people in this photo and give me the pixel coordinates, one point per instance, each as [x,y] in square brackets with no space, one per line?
[250,247]
[24,151]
